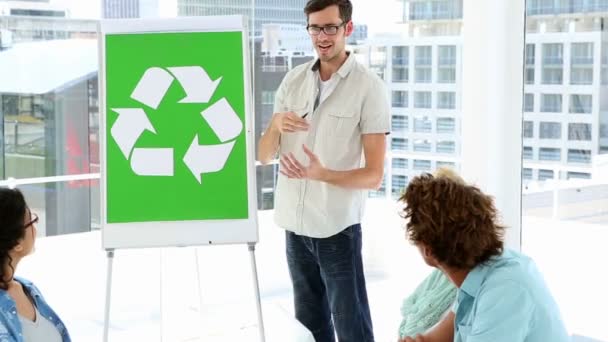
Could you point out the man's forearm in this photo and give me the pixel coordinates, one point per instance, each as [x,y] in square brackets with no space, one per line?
[268,146]
[362,178]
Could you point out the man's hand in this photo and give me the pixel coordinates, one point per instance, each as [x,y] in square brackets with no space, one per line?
[292,168]
[418,338]
[288,122]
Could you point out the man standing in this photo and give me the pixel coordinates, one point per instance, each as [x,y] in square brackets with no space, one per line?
[331,118]
[501,294]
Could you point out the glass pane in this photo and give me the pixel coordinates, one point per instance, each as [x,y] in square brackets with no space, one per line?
[422,146]
[545,153]
[550,130]
[446,125]
[528,152]
[566,200]
[552,68]
[551,103]
[400,99]
[422,125]
[446,100]
[422,99]
[528,129]
[581,104]
[528,102]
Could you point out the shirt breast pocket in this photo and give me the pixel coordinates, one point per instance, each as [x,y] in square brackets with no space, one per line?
[297,104]
[342,125]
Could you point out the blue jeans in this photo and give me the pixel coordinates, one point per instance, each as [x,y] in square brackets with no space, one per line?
[328,282]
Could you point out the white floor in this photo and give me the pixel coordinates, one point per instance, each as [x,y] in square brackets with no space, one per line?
[156,298]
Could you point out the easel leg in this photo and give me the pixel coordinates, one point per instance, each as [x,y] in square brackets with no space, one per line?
[200,291]
[256,286]
[106,320]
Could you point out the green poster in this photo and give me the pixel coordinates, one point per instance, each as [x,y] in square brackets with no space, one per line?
[175,127]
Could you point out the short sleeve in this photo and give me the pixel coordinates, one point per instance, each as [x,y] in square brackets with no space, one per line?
[375,111]
[279,97]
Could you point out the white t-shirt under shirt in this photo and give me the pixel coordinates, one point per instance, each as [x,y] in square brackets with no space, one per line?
[326,87]
[40,330]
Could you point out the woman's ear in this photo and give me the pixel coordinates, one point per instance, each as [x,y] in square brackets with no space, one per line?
[18,248]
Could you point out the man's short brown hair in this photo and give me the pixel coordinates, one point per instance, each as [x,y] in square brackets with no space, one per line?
[345,6]
[456,221]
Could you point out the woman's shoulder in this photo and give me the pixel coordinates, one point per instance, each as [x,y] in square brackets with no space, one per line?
[29,286]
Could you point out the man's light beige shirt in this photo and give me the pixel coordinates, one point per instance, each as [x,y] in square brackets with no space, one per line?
[357,104]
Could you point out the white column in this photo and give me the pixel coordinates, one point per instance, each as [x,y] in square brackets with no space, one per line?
[493,61]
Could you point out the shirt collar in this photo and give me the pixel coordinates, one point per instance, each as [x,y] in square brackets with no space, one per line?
[474,279]
[343,71]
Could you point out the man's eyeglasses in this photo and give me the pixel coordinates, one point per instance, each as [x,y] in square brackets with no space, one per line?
[33,220]
[329,30]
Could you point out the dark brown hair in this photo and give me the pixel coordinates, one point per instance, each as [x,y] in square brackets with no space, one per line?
[12,229]
[456,221]
[345,6]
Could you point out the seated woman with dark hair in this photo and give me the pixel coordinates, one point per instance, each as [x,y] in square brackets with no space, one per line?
[24,314]
[501,295]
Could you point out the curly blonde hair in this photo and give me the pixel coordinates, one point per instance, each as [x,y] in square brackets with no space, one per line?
[456,221]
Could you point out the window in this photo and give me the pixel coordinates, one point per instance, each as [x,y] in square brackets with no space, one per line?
[550,130]
[579,156]
[399,185]
[528,153]
[400,163]
[581,63]
[579,175]
[400,74]
[422,125]
[446,125]
[268,97]
[553,63]
[423,64]
[528,129]
[422,99]
[401,63]
[399,144]
[565,76]
[529,71]
[528,103]
[424,165]
[422,146]
[381,192]
[399,123]
[401,55]
[450,165]
[446,147]
[446,64]
[446,100]
[400,99]
[543,175]
[580,104]
[546,153]
[579,131]
[419,11]
[551,103]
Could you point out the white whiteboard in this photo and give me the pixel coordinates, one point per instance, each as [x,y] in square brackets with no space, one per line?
[178,233]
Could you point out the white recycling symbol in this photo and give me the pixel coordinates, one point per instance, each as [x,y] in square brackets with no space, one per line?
[158,161]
